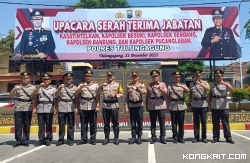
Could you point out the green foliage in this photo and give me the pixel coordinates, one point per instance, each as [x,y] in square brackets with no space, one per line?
[190,66]
[239,94]
[101,4]
[7,44]
[124,64]
[247,27]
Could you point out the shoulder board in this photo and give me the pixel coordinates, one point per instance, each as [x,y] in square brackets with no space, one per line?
[48,29]
[28,29]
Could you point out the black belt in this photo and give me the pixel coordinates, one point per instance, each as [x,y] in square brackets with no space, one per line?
[135,102]
[182,99]
[219,96]
[156,98]
[87,98]
[202,98]
[45,102]
[23,100]
[110,101]
[64,100]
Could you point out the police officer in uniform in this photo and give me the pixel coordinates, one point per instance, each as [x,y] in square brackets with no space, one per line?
[156,105]
[220,108]
[89,106]
[220,39]
[66,108]
[37,42]
[177,106]
[198,101]
[23,109]
[110,108]
[45,107]
[134,106]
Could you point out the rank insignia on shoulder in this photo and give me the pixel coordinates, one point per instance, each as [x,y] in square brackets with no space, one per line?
[28,29]
[48,29]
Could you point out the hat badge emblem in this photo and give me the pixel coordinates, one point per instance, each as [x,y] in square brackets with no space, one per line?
[154,72]
[89,72]
[37,13]
[197,71]
[25,73]
[177,73]
[69,75]
[46,75]
[218,71]
[217,12]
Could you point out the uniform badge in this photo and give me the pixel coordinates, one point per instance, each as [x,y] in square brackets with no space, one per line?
[109,73]
[218,71]
[25,74]
[217,12]
[30,43]
[198,71]
[129,14]
[119,15]
[43,38]
[89,72]
[69,75]
[37,13]
[138,13]
[177,73]
[45,75]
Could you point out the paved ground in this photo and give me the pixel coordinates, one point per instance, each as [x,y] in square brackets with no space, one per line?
[124,153]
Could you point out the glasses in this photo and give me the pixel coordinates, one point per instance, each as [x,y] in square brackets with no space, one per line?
[46,78]
[25,78]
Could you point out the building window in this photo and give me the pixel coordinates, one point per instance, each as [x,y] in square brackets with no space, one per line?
[47,67]
[14,66]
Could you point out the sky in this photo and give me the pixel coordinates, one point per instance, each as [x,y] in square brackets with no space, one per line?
[8,11]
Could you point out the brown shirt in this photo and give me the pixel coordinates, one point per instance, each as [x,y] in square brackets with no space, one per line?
[24,106]
[176,105]
[65,103]
[219,103]
[111,102]
[156,98]
[198,94]
[134,95]
[87,101]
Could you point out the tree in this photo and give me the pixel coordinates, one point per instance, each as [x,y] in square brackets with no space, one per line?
[190,66]
[247,27]
[248,70]
[7,44]
[104,4]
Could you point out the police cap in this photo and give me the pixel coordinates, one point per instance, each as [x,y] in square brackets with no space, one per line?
[155,73]
[218,72]
[198,71]
[217,13]
[25,73]
[68,75]
[176,73]
[44,75]
[134,74]
[37,14]
[110,73]
[88,72]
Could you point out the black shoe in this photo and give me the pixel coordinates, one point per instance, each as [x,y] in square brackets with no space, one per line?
[181,141]
[106,141]
[175,141]
[116,141]
[59,143]
[17,144]
[70,143]
[195,140]
[39,143]
[163,141]
[133,140]
[48,143]
[26,144]
[138,141]
[93,142]
[153,140]
[82,142]
[214,141]
[230,141]
[204,141]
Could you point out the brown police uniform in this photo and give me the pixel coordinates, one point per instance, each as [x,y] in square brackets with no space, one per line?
[199,107]
[45,109]
[133,101]
[23,112]
[177,108]
[110,108]
[88,104]
[66,107]
[156,106]
[220,110]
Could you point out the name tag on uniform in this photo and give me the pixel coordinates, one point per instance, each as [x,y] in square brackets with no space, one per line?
[43,38]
